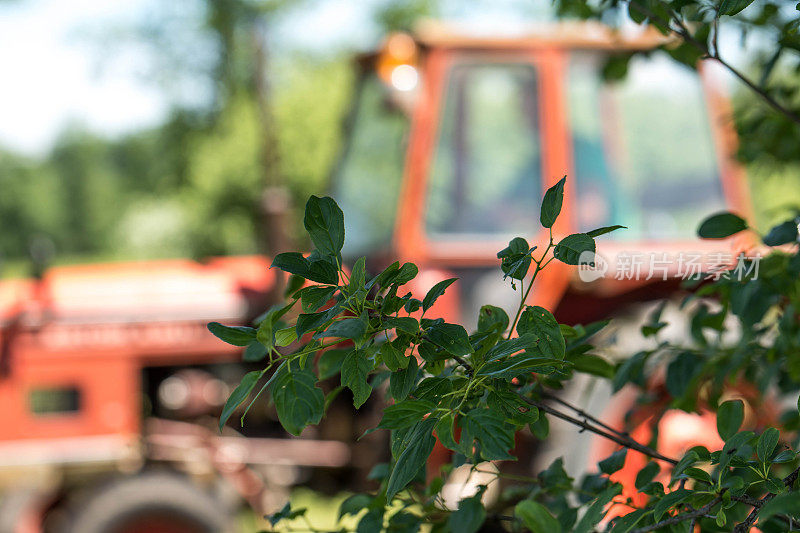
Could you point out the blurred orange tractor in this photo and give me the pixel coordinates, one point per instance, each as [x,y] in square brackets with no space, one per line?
[109,382]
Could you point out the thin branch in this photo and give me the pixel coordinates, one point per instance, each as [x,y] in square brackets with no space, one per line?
[583,414]
[686,35]
[753,516]
[692,515]
[622,440]
[467,367]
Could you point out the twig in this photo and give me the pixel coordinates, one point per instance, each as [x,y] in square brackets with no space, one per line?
[467,367]
[692,515]
[748,522]
[580,412]
[686,35]
[622,440]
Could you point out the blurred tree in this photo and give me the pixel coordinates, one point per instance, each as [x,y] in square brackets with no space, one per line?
[401,16]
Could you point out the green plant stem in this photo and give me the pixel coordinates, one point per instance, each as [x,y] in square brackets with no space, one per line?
[539,267]
[692,515]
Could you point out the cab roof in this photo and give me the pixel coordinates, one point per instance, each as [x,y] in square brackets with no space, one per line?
[570,35]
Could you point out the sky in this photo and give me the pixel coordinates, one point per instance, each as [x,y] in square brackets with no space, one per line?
[61,64]
[49,75]
[55,71]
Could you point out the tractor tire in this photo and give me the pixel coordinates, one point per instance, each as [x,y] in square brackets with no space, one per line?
[151,502]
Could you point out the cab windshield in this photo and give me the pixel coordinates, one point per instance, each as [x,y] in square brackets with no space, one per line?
[643,149]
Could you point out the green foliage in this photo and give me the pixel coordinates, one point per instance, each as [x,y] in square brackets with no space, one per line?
[152,193]
[475,392]
[721,225]
[551,205]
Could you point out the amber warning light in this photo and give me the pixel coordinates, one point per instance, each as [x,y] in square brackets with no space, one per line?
[397,63]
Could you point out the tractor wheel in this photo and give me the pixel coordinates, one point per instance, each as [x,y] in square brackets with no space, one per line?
[153,502]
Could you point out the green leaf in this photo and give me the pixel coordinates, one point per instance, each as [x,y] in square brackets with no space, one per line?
[729,418]
[782,234]
[406,273]
[733,7]
[393,358]
[492,318]
[507,347]
[518,365]
[266,333]
[408,324]
[469,517]
[766,443]
[403,522]
[239,394]
[330,362]
[602,231]
[355,370]
[787,504]
[371,522]
[536,517]
[774,484]
[354,504]
[255,351]
[670,500]
[402,382]
[358,275]
[597,510]
[451,337]
[319,270]
[495,436]
[235,335]
[698,474]
[285,336]
[542,323]
[297,398]
[412,457]
[646,474]
[316,296]
[444,432]
[737,446]
[721,225]
[551,204]
[613,462]
[511,406]
[310,321]
[436,291]
[624,524]
[324,222]
[515,259]
[405,414]
[680,373]
[540,428]
[285,513]
[348,328]
[688,459]
[571,247]
[293,263]
[592,364]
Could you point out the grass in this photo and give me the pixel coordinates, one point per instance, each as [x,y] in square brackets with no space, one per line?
[322,512]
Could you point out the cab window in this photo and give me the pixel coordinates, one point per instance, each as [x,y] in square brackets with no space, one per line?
[643,150]
[486,173]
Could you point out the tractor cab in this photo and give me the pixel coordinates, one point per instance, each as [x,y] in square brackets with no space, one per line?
[454,139]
